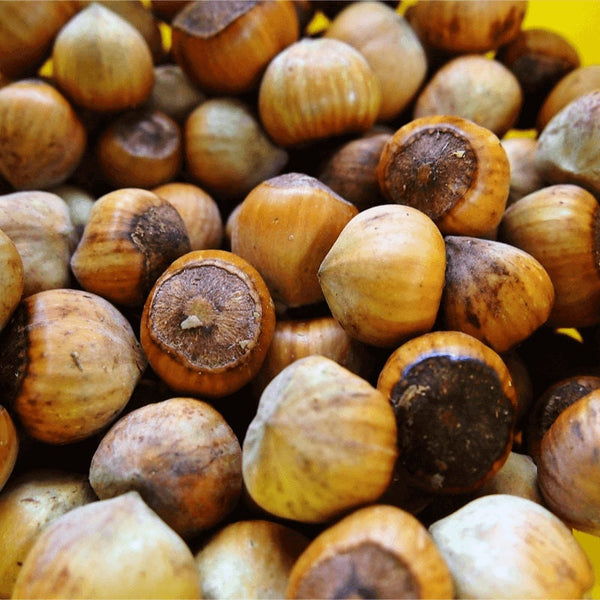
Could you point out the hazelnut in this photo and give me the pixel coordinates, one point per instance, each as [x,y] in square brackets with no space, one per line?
[199,211]
[557,225]
[524,176]
[378,551]
[140,148]
[227,151]
[207,323]
[450,168]
[102,62]
[539,58]
[383,276]
[157,563]
[315,89]
[580,81]
[28,503]
[503,545]
[474,87]
[27,31]
[284,228]
[224,47]
[39,224]
[199,456]
[9,446]
[261,554]
[391,47]
[69,361]
[295,465]
[458,27]
[12,278]
[131,236]
[567,150]
[455,406]
[42,139]
[493,291]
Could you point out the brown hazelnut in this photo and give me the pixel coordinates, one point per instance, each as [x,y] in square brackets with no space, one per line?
[494,291]
[27,31]
[199,211]
[351,169]
[296,465]
[39,224]
[545,560]
[42,139]
[140,148]
[9,446]
[69,361]
[474,87]
[315,89]
[578,82]
[157,564]
[180,455]
[224,47]
[102,62]
[207,323]
[390,45]
[524,176]
[458,27]
[285,227]
[455,407]
[12,278]
[539,58]
[384,274]
[450,168]
[567,148]
[557,225]
[377,551]
[260,552]
[227,151]
[131,236]
[30,501]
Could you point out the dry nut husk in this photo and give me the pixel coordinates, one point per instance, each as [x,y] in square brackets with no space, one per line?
[69,361]
[505,546]
[141,556]
[375,552]
[200,476]
[383,277]
[295,465]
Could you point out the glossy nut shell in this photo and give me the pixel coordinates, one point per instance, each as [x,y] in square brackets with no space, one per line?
[317,88]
